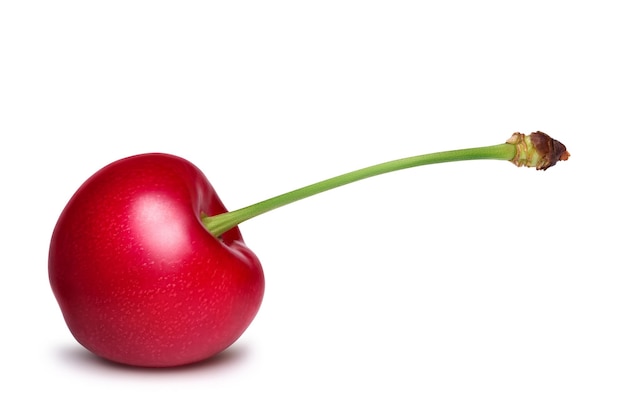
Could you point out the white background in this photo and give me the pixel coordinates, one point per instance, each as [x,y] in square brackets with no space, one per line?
[474,288]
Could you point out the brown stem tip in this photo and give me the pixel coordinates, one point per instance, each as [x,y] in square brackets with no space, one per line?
[537,150]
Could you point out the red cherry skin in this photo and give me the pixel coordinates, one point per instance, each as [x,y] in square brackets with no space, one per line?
[138,278]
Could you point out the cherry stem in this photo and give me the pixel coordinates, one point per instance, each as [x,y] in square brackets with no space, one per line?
[221,223]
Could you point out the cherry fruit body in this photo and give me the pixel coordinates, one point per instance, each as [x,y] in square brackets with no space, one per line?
[138,278]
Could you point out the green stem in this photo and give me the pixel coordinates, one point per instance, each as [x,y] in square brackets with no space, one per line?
[221,223]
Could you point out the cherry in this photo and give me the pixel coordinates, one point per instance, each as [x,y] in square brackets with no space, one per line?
[150,269]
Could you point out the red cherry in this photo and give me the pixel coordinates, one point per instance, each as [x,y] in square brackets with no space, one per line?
[138,277]
[151,270]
